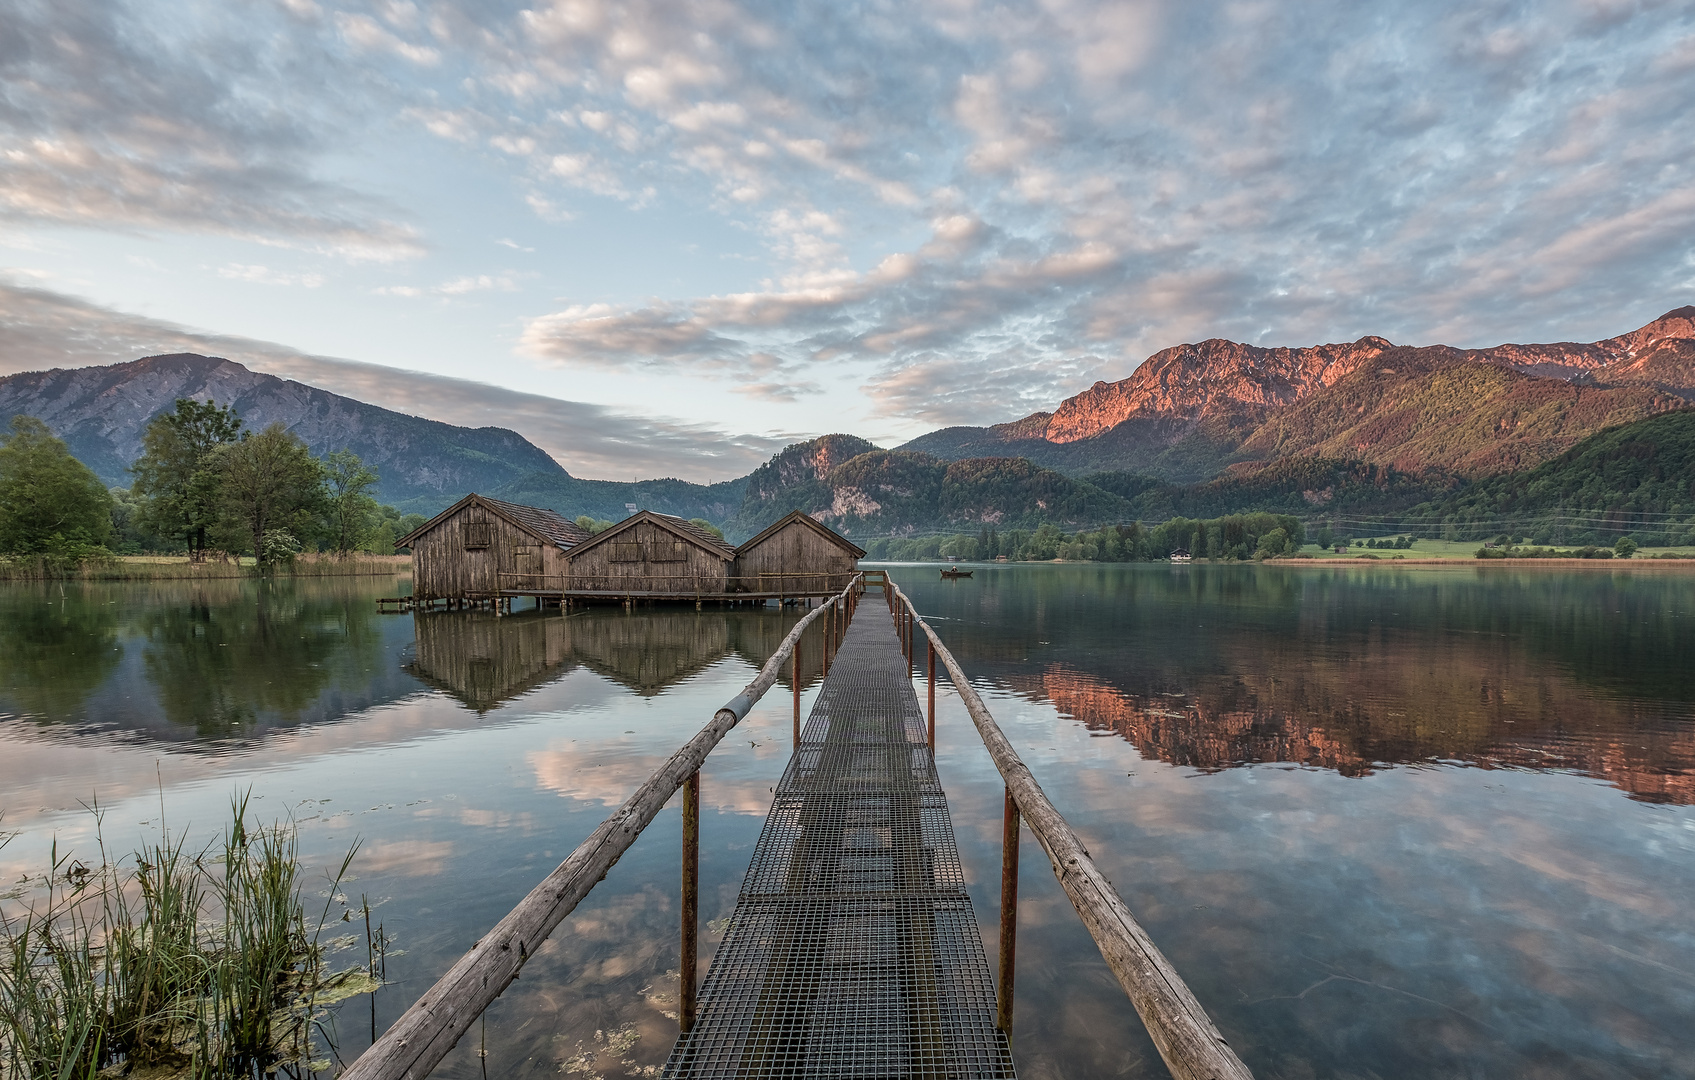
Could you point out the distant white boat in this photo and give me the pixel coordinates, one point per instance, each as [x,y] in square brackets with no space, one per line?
[1180,555]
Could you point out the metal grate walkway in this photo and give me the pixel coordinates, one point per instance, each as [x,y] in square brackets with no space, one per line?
[853,950]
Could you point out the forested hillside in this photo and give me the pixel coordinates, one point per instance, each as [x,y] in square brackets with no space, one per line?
[1637,479]
[891,493]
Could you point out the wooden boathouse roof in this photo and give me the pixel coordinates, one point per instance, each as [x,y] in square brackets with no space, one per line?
[811,522]
[685,530]
[544,525]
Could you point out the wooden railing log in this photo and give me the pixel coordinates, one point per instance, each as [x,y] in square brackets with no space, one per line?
[1188,1040]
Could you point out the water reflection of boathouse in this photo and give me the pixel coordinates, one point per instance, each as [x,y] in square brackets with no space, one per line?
[485,552]
[486,661]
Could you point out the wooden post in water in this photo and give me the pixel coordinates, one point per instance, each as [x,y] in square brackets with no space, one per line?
[1009,913]
[932,697]
[691,899]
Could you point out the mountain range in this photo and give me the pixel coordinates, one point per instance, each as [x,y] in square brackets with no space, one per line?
[1197,430]
[1192,410]
[423,465]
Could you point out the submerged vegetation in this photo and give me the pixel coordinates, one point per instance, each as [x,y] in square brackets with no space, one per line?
[195,964]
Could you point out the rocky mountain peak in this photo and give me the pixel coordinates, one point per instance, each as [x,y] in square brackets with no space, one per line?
[1187,382]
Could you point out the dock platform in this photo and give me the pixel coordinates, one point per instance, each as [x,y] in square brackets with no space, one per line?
[853,951]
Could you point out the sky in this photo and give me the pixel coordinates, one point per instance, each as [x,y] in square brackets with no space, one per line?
[670,238]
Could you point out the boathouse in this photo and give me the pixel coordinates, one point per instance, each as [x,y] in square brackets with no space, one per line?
[652,555]
[480,547]
[796,555]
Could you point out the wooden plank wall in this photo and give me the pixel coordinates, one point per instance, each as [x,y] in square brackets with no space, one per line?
[795,549]
[443,566]
[698,570]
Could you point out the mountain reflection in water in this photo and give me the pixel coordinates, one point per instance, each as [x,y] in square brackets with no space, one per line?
[1429,885]
[1215,667]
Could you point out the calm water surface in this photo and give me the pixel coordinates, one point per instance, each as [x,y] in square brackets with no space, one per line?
[1394,822]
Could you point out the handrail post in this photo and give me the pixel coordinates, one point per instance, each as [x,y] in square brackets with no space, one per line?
[1009,913]
[425,1033]
[794,680]
[826,629]
[1189,1042]
[932,697]
[691,899]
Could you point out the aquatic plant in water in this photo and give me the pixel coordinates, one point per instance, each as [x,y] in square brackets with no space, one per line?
[192,964]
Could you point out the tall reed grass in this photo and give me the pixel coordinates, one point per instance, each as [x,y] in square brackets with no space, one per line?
[194,964]
[179,568]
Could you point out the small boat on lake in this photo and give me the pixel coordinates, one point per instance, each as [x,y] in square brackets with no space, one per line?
[953,572]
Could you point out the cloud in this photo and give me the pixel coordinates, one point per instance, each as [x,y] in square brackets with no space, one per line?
[1123,177]
[42,329]
[973,208]
[264,275]
[120,119]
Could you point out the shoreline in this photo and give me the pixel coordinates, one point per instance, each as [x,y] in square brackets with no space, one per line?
[179,568]
[1681,563]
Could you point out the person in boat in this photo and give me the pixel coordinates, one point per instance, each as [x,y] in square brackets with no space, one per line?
[954,569]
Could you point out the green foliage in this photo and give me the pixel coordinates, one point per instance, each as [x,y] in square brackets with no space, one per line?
[121,969]
[269,481]
[707,526]
[351,512]
[176,477]
[1286,486]
[1514,552]
[1638,478]
[50,503]
[1624,548]
[591,525]
[1234,537]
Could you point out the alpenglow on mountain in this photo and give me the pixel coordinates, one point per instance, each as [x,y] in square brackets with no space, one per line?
[1192,410]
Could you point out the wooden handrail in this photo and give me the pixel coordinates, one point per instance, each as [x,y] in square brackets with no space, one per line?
[1185,1036]
[418,1041]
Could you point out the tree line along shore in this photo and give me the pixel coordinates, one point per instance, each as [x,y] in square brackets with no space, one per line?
[222,498]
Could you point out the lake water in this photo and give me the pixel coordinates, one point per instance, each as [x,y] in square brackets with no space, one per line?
[1392,822]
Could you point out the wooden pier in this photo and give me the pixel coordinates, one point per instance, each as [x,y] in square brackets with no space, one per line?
[853,951]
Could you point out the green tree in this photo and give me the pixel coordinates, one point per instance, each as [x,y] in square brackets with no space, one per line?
[1625,548]
[269,482]
[50,503]
[352,510]
[706,526]
[176,476]
[403,526]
